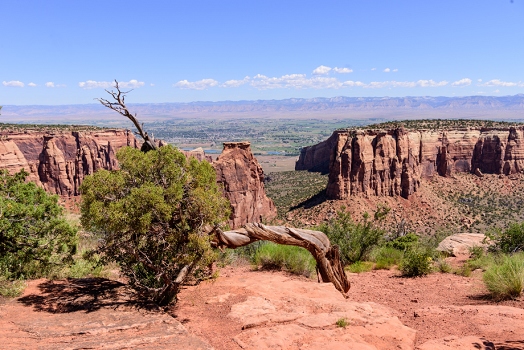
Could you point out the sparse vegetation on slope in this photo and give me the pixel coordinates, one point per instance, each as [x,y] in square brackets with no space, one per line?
[290,189]
[441,124]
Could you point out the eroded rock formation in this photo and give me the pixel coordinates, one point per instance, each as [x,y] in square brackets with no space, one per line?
[242,178]
[392,162]
[59,161]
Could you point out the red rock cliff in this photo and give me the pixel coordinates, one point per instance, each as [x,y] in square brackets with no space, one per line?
[59,160]
[243,180]
[392,162]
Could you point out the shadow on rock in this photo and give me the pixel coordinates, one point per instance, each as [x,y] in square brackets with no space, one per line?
[510,345]
[83,294]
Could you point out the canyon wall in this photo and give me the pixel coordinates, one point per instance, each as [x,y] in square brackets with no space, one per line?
[392,162]
[58,160]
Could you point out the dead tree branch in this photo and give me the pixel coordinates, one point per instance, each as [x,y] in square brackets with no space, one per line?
[316,242]
[119,106]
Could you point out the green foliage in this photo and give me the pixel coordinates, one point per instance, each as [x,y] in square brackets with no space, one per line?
[404,242]
[342,323]
[294,259]
[385,257]
[355,240]
[151,216]
[11,289]
[360,266]
[505,278]
[483,261]
[417,261]
[510,240]
[443,266]
[34,237]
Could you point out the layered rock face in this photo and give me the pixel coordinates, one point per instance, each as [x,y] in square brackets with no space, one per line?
[242,179]
[59,161]
[392,162]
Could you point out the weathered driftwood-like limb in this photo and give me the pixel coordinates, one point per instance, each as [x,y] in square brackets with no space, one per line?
[316,242]
[119,106]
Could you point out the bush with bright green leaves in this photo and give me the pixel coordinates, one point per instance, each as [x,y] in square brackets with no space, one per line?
[152,214]
[34,236]
[403,242]
[355,239]
[510,240]
[417,261]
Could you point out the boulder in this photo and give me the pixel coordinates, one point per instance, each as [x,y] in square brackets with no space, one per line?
[461,243]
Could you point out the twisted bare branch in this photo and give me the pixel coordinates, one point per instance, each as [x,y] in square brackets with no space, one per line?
[119,106]
[327,256]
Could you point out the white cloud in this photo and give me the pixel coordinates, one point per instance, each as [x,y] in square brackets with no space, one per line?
[151,84]
[387,70]
[497,82]
[395,70]
[50,84]
[479,80]
[373,69]
[496,91]
[321,70]
[13,83]
[342,70]
[31,84]
[236,83]
[462,82]
[405,84]
[92,84]
[351,83]
[431,83]
[294,81]
[196,85]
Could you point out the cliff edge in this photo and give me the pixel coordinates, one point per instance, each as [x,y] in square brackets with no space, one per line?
[392,162]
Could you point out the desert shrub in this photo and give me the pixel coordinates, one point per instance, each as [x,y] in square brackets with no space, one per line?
[342,323]
[476,252]
[505,278]
[481,261]
[355,240]
[360,266]
[385,257]
[34,236]
[404,242]
[443,266]
[296,260]
[11,289]
[151,216]
[510,240]
[417,261]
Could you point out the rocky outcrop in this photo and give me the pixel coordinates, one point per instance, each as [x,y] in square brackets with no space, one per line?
[59,160]
[242,179]
[462,243]
[392,162]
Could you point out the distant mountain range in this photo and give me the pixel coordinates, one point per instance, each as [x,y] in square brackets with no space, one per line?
[350,107]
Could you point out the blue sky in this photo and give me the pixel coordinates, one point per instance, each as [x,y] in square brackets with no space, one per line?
[66,52]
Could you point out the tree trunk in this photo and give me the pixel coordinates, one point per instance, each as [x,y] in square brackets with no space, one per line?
[316,242]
